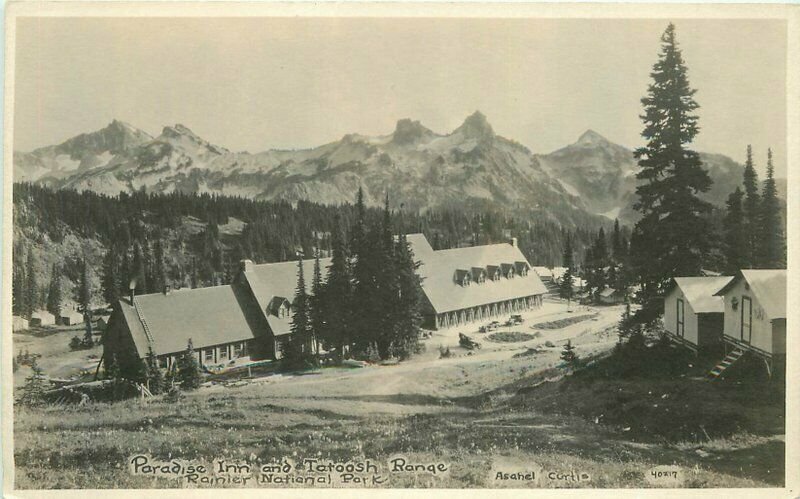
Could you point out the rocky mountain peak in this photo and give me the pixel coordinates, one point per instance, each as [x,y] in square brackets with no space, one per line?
[407,132]
[476,126]
[591,138]
[179,131]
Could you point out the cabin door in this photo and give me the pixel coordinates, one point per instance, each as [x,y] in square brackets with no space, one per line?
[679,327]
[747,319]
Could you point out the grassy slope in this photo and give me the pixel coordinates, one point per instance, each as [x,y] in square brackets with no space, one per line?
[551,425]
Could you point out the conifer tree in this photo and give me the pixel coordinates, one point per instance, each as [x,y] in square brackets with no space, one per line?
[31,286]
[111,278]
[338,297]
[19,282]
[83,293]
[155,379]
[33,392]
[139,270]
[316,313]
[408,303]
[616,243]
[752,211]
[565,285]
[736,240]
[297,350]
[771,240]
[188,375]
[54,292]
[674,225]
[159,266]
[568,354]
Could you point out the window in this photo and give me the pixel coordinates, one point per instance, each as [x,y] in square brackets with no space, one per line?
[679,318]
[747,319]
[237,350]
[209,355]
[223,352]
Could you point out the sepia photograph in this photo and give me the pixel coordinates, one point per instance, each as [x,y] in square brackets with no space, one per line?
[315,247]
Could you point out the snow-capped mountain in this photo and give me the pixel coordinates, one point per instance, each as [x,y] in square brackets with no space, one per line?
[472,166]
[422,169]
[603,175]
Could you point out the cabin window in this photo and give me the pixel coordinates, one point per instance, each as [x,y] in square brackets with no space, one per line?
[162,363]
[237,350]
[747,319]
[679,317]
[223,352]
[209,355]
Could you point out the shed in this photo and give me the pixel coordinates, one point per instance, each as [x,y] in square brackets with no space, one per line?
[755,311]
[19,323]
[610,296]
[70,318]
[42,318]
[693,314]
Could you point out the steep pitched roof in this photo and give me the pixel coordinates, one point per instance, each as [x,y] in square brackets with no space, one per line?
[543,271]
[209,316]
[700,292]
[768,285]
[270,280]
[445,295]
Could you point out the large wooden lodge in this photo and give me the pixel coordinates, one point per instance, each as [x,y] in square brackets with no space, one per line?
[250,318]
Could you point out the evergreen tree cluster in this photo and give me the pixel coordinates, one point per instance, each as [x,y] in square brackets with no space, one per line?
[753,227]
[606,262]
[369,304]
[176,239]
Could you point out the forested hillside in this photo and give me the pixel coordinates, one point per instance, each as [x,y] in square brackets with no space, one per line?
[197,240]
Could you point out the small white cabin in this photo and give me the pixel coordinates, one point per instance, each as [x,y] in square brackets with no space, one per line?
[70,318]
[42,318]
[693,314]
[19,323]
[755,312]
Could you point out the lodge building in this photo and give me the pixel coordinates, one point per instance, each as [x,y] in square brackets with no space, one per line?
[251,318]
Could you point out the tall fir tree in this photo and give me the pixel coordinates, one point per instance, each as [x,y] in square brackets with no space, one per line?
[159,271]
[139,269]
[752,211]
[338,296]
[771,240]
[407,307]
[316,313]
[616,243]
[54,292]
[111,277]
[736,240]
[83,292]
[31,285]
[297,348]
[568,262]
[674,222]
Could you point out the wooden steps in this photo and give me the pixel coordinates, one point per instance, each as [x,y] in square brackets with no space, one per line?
[727,362]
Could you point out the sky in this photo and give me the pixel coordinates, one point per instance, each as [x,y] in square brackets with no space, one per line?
[261,83]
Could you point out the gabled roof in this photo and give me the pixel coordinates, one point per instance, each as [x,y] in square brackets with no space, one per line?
[608,292]
[768,286]
[543,271]
[209,316]
[700,292]
[445,295]
[270,280]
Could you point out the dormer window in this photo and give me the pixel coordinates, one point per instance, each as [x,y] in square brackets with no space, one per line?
[521,268]
[279,307]
[508,270]
[494,272]
[463,277]
[478,275]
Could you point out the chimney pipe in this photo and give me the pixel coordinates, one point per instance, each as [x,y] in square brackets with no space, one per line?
[132,290]
[514,242]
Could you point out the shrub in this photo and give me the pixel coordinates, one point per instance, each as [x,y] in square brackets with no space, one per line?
[444,352]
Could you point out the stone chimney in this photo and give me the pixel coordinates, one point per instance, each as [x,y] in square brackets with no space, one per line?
[245,265]
[514,242]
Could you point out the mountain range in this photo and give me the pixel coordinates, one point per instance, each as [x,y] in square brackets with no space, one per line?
[592,179]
